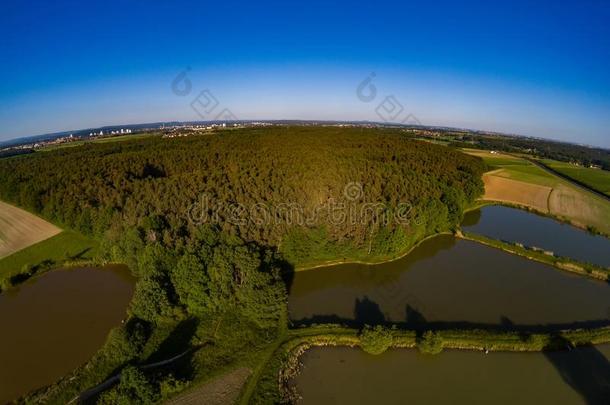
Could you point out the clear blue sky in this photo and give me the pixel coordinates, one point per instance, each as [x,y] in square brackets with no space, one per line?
[536,68]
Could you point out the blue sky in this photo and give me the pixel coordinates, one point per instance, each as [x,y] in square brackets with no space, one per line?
[534,68]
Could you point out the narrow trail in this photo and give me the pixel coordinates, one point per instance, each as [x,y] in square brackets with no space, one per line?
[84,396]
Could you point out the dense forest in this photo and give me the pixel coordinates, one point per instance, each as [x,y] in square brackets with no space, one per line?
[213,224]
[564,152]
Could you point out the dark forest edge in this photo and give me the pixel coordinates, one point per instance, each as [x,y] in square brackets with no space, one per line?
[545,149]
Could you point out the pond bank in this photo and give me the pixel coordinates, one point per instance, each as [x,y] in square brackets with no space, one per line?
[285,362]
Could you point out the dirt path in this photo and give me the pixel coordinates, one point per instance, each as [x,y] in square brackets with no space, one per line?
[223,390]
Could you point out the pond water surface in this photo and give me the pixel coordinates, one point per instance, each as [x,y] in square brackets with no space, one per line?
[516,225]
[350,376]
[454,282]
[54,323]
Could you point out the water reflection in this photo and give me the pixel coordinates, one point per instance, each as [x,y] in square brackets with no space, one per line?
[533,230]
[450,283]
[54,323]
[455,377]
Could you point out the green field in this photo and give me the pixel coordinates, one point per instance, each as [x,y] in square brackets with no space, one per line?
[595,178]
[66,246]
[563,199]
[111,139]
[515,168]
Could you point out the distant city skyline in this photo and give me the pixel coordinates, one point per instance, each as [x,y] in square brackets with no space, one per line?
[519,68]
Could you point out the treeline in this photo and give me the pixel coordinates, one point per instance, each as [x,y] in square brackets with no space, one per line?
[250,182]
[563,152]
[185,215]
[15,152]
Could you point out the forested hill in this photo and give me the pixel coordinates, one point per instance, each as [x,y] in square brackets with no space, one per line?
[276,186]
[212,224]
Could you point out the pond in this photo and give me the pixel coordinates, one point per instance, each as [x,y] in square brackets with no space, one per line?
[54,323]
[533,230]
[452,283]
[350,376]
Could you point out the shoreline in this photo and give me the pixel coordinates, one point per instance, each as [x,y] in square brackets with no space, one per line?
[562,263]
[334,263]
[285,363]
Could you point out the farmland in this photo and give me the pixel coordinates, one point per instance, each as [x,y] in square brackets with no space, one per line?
[52,252]
[517,181]
[20,229]
[597,179]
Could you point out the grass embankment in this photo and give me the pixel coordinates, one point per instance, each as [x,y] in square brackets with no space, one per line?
[357,258]
[515,180]
[542,256]
[272,384]
[65,249]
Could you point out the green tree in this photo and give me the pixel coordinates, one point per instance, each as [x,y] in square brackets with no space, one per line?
[133,389]
[430,343]
[376,340]
[150,301]
[192,284]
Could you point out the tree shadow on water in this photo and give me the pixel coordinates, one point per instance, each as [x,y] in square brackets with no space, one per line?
[367,312]
[585,369]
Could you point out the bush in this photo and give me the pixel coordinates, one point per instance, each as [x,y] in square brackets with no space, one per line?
[430,343]
[376,340]
[134,388]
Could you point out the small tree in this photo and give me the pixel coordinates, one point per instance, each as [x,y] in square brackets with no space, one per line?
[375,340]
[133,389]
[430,343]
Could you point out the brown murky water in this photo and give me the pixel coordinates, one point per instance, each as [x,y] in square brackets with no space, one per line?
[451,281]
[54,323]
[350,376]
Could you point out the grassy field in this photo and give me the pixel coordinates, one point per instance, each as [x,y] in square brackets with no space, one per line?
[20,229]
[111,139]
[596,179]
[66,246]
[514,180]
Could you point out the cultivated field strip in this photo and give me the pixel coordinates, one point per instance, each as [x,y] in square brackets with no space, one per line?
[20,229]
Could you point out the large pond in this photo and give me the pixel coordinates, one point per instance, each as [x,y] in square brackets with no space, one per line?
[450,282]
[515,225]
[350,376]
[54,323]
